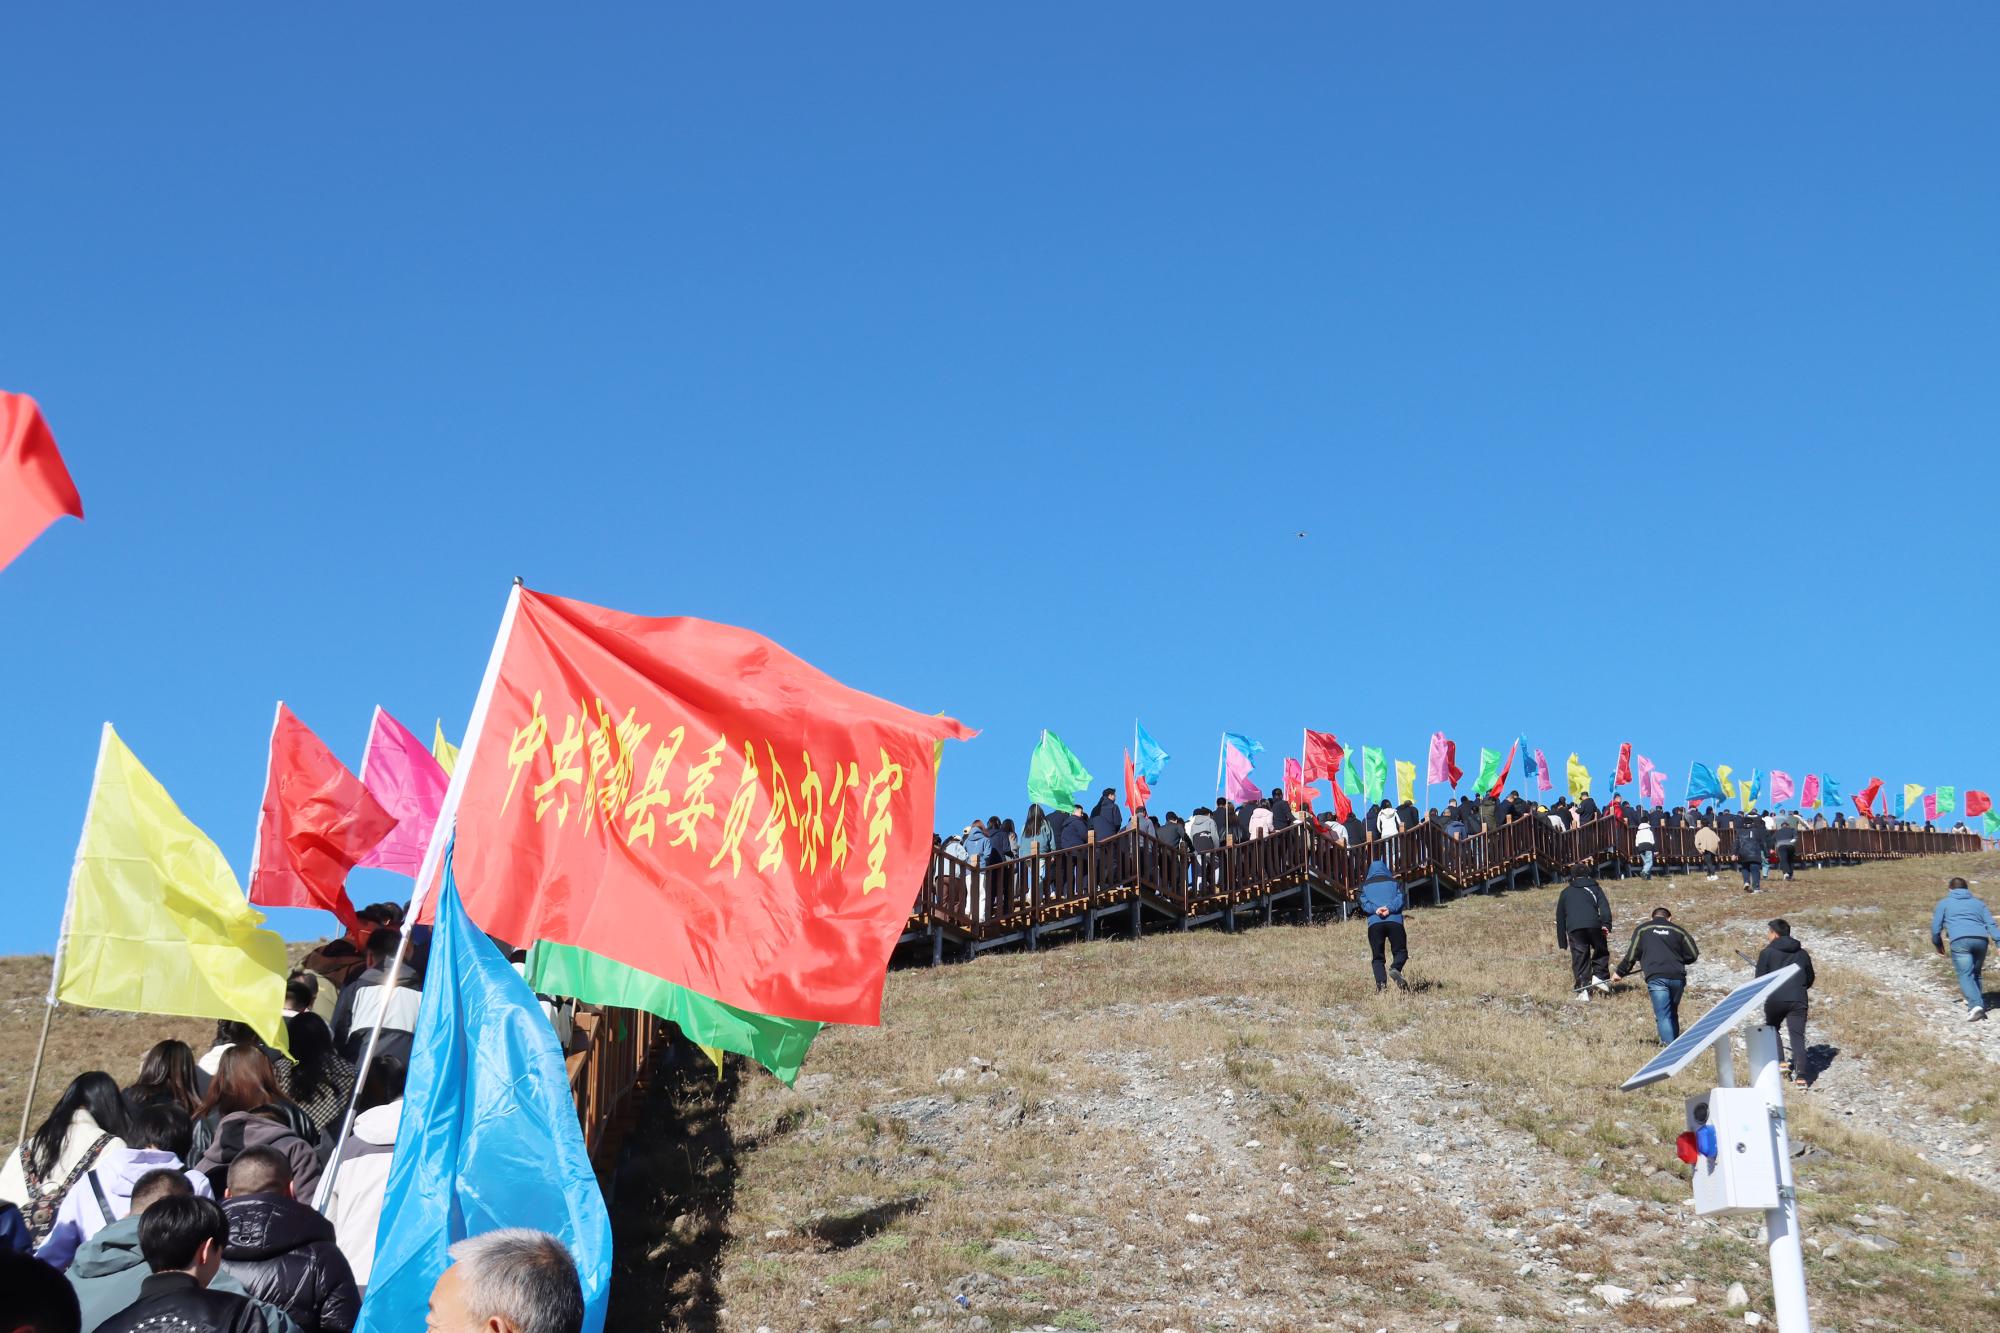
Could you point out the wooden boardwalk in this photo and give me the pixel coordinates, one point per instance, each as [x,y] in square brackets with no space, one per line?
[1132,881]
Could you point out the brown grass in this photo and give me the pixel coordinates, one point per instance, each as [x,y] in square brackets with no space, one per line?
[1112,1089]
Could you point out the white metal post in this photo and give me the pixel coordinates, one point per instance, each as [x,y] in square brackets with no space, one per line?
[1725,1063]
[1781,1224]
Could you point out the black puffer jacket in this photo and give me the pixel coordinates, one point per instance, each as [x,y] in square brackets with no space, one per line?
[1581,906]
[283,1252]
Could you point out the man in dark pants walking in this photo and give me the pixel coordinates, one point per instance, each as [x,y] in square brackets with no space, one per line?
[1583,926]
[1786,1005]
[1662,951]
[1750,850]
[1382,904]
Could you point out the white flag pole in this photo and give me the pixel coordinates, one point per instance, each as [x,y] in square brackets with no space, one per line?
[433,854]
[62,933]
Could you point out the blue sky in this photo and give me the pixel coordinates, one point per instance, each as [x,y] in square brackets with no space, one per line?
[1631,374]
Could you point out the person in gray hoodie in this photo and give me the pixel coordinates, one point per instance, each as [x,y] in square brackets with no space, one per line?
[108,1267]
[1969,924]
[1382,905]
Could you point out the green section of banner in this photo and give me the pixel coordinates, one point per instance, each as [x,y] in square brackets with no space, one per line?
[778,1044]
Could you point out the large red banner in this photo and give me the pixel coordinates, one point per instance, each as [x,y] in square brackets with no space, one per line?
[692,800]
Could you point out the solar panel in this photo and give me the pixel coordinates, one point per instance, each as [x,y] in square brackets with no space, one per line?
[1710,1028]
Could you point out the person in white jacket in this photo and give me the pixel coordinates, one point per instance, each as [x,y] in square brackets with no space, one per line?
[162,1134]
[88,1120]
[356,1207]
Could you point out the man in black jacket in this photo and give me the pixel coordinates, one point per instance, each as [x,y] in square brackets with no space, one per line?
[1583,926]
[1787,1005]
[281,1250]
[182,1239]
[1662,951]
[1750,850]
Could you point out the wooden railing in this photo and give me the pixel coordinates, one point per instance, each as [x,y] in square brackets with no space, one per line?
[609,1059]
[1135,874]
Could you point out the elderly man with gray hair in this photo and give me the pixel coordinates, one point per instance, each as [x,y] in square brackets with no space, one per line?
[509,1281]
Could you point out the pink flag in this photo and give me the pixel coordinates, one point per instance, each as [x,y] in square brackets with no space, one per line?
[1930,806]
[1652,783]
[1542,780]
[399,772]
[1781,786]
[1809,797]
[1444,761]
[1236,784]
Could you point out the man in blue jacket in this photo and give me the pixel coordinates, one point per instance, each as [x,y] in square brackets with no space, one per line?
[1969,922]
[1382,904]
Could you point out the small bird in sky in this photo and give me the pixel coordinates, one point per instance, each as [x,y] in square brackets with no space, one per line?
[1301,534]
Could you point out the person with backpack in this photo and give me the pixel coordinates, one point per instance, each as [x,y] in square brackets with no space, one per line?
[1786,1006]
[1662,951]
[88,1120]
[1382,907]
[161,1134]
[1583,926]
[1969,924]
[385,992]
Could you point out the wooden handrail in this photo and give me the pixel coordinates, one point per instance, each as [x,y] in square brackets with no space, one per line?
[1003,899]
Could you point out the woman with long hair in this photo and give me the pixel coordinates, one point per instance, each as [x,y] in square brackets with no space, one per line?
[167,1075]
[244,1084]
[316,1077]
[88,1118]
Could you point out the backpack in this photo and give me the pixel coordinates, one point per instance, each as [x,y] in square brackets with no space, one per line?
[43,1202]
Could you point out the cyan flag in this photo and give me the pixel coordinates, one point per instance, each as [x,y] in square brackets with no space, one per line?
[1829,791]
[1898,804]
[1148,757]
[1527,759]
[1702,784]
[1246,747]
[489,1136]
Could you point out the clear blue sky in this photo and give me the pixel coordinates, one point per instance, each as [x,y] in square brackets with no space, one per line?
[1631,373]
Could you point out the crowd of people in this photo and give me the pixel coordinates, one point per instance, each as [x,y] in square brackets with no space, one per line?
[190,1197]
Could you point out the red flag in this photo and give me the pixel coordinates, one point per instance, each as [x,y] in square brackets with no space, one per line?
[693,801]
[1500,782]
[1323,757]
[1977,803]
[1865,798]
[1137,793]
[1342,807]
[1624,774]
[35,488]
[317,821]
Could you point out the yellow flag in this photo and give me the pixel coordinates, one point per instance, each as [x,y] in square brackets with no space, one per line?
[446,753]
[1406,781]
[714,1053]
[156,922]
[1722,772]
[1579,778]
[1912,792]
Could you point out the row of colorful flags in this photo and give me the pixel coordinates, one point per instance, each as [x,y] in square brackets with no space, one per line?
[1056,777]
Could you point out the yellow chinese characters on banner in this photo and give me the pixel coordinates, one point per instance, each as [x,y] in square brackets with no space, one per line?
[648,782]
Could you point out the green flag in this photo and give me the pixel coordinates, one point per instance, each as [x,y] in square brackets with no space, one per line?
[1489,770]
[1374,772]
[1993,823]
[1055,775]
[778,1044]
[1947,800]
[1350,781]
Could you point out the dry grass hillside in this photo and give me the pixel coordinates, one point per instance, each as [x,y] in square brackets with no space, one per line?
[1213,1132]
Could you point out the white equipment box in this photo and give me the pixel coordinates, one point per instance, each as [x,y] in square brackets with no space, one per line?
[1742,1175]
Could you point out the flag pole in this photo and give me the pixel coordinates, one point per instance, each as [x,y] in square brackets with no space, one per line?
[1220,746]
[62,934]
[441,834]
